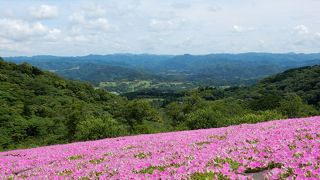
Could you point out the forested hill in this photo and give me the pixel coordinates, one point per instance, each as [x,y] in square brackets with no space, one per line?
[298,85]
[40,108]
[304,81]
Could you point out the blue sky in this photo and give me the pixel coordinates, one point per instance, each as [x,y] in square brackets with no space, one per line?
[158,26]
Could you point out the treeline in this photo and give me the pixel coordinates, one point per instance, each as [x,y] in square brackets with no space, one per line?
[195,112]
[39,108]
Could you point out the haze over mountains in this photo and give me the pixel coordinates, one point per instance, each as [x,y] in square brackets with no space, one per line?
[198,70]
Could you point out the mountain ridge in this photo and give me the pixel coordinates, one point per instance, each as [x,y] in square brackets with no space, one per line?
[201,70]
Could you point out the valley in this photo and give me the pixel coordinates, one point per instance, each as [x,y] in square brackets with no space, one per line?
[125,73]
[120,87]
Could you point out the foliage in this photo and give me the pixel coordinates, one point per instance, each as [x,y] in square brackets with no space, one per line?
[304,81]
[256,117]
[293,106]
[273,98]
[40,108]
[98,128]
[138,111]
[203,118]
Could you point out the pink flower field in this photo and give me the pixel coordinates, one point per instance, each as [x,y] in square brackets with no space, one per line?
[282,149]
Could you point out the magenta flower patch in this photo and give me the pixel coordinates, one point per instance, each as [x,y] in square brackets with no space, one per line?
[287,149]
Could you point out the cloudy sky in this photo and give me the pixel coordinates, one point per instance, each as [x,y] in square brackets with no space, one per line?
[81,27]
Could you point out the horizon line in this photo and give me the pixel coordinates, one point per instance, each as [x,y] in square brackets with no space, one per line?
[154,54]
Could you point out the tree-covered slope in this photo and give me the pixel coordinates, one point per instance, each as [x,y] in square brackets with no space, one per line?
[40,108]
[293,93]
[303,81]
[96,73]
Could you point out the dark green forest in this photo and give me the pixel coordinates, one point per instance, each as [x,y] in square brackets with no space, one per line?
[40,108]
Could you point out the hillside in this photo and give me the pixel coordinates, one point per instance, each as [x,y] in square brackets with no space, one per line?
[293,93]
[274,150]
[40,108]
[96,73]
[304,81]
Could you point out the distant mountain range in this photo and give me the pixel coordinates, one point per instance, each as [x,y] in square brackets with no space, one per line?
[203,70]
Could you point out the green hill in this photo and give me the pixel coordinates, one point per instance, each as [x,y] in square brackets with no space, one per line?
[40,108]
[301,82]
[304,81]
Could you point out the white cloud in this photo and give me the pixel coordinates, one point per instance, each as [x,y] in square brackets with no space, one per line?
[44,12]
[214,8]
[100,23]
[19,30]
[301,29]
[211,25]
[53,34]
[262,42]
[77,18]
[94,10]
[180,5]
[160,24]
[88,23]
[11,47]
[241,29]
[78,38]
[165,25]
[87,26]
[82,20]
[7,13]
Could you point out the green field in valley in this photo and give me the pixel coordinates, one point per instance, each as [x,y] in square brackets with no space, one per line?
[120,87]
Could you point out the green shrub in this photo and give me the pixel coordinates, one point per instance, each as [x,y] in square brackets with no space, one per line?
[203,118]
[97,128]
[261,116]
[293,106]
